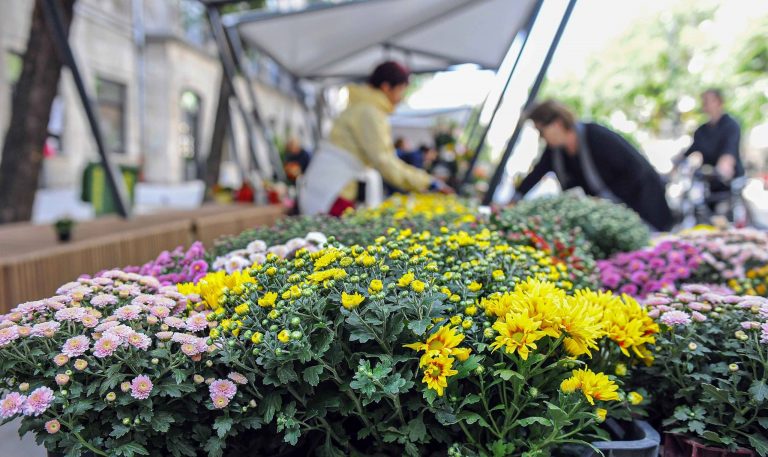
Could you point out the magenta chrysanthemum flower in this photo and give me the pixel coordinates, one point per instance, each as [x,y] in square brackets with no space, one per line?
[103,300]
[11,405]
[219,401]
[52,426]
[38,401]
[238,378]
[141,387]
[675,317]
[9,335]
[223,387]
[197,322]
[140,341]
[106,346]
[76,346]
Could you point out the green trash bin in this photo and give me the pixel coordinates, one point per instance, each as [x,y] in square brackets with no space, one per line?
[96,189]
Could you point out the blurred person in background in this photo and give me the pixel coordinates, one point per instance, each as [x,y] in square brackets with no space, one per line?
[361,137]
[296,160]
[599,161]
[717,143]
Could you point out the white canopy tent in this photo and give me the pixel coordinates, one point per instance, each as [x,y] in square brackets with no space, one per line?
[347,40]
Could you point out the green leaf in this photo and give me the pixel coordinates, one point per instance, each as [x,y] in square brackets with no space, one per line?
[311,375]
[419,327]
[119,430]
[711,436]
[759,390]
[269,406]
[534,420]
[161,421]
[446,417]
[286,374]
[717,394]
[763,421]
[470,418]
[222,425]
[131,449]
[759,443]
[417,431]
[696,426]
[509,374]
[214,446]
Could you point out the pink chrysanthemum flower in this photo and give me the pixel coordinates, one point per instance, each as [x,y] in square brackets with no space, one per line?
[106,346]
[76,346]
[238,378]
[103,300]
[140,341]
[104,326]
[175,322]
[45,329]
[38,401]
[223,387]
[61,360]
[128,312]
[219,401]
[9,335]
[120,331]
[197,322]
[675,317]
[11,405]
[141,387]
[70,314]
[698,317]
[764,333]
[52,426]
[160,311]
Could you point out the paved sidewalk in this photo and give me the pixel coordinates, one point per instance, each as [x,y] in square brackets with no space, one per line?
[12,446]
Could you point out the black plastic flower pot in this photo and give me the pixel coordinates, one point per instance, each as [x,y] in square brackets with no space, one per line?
[630,439]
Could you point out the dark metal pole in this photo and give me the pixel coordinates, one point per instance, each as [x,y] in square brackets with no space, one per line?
[501,168]
[230,73]
[233,40]
[55,20]
[526,33]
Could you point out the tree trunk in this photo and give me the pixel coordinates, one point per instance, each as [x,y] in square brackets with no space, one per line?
[218,138]
[22,156]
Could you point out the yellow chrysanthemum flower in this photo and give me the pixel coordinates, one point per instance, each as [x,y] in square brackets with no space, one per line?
[406,280]
[634,398]
[437,370]
[517,333]
[375,286]
[417,286]
[284,336]
[594,386]
[351,301]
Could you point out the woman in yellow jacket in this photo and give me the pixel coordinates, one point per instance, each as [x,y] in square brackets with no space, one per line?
[361,137]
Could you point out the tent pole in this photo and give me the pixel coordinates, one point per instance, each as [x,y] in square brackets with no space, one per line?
[501,168]
[269,136]
[230,74]
[55,20]
[526,31]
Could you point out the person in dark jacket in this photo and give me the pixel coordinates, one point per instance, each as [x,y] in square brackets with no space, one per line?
[598,160]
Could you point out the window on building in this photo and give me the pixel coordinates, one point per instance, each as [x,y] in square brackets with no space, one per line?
[194,22]
[110,99]
[189,132]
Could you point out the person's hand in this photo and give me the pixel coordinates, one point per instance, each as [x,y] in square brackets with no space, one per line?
[726,167]
[440,186]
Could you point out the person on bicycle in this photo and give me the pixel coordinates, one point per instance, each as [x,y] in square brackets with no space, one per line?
[717,143]
[599,161]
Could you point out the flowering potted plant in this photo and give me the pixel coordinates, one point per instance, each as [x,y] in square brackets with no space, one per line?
[638,273]
[411,345]
[117,365]
[709,377]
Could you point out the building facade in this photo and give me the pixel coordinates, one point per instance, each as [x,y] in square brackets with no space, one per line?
[154,74]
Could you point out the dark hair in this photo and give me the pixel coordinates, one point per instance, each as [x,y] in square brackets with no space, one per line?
[718,93]
[389,72]
[550,111]
[399,142]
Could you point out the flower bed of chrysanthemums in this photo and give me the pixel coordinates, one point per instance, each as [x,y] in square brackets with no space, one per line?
[424,327]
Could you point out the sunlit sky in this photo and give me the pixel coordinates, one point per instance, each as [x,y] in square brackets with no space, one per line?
[594,24]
